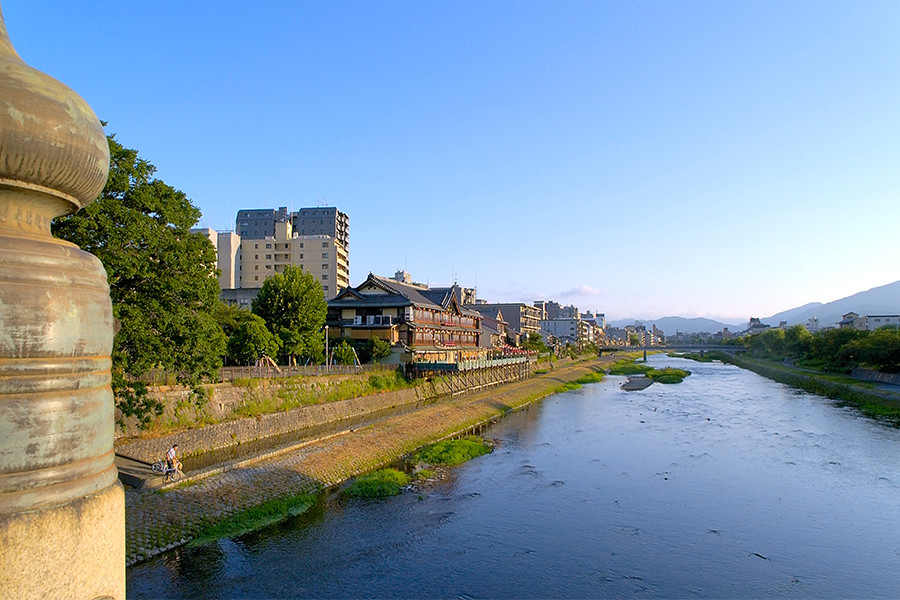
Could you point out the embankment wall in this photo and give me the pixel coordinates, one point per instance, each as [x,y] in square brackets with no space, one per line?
[222,435]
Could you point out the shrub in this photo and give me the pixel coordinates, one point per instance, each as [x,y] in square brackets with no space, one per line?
[453,452]
[378,484]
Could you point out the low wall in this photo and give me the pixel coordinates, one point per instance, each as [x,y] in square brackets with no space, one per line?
[875,376]
[222,435]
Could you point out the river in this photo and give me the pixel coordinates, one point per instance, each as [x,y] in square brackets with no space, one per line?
[726,485]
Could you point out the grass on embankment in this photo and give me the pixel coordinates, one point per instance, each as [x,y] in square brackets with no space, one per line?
[292,395]
[251,519]
[871,402]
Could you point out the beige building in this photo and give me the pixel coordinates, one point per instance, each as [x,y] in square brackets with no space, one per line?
[228,255]
[321,255]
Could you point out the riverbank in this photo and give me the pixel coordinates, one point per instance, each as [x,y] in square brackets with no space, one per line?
[873,402]
[159,521]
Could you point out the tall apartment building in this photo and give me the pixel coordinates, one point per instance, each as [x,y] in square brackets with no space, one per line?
[259,223]
[266,240]
[323,220]
[321,255]
[228,255]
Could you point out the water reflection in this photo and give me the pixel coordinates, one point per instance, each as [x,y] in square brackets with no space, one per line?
[725,485]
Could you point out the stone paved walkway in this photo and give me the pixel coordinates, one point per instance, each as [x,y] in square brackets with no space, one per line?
[159,521]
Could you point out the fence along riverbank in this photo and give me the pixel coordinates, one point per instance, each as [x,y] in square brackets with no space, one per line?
[160,521]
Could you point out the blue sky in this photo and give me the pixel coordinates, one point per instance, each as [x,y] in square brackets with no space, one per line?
[642,159]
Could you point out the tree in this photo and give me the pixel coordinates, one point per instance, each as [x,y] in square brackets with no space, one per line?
[534,342]
[162,279]
[252,340]
[879,350]
[343,354]
[293,307]
[378,349]
[797,341]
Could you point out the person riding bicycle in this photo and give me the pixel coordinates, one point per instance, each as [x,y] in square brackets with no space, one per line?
[172,464]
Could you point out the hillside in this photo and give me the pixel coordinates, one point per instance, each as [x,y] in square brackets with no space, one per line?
[671,325]
[884,299]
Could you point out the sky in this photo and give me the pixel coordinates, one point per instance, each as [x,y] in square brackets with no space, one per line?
[638,159]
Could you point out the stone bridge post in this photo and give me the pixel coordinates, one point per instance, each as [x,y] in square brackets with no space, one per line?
[62,509]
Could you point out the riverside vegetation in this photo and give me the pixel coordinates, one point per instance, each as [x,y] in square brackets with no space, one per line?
[390,482]
[861,394]
[157,522]
[667,375]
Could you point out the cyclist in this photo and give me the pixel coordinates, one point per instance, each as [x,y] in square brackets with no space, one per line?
[172,464]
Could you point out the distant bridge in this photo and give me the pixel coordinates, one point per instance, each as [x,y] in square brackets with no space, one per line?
[729,348]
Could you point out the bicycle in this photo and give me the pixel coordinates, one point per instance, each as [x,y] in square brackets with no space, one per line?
[162,468]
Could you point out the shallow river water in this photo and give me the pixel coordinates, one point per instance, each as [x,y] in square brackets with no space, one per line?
[726,485]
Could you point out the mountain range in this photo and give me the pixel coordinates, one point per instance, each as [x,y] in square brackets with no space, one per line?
[881,300]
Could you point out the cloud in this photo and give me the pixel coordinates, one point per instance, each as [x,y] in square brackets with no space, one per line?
[581,291]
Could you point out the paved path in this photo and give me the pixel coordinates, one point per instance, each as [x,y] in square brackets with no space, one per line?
[161,520]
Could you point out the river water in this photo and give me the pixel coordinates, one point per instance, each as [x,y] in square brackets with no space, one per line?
[726,485]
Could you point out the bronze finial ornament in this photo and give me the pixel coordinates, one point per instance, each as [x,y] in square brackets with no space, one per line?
[61,505]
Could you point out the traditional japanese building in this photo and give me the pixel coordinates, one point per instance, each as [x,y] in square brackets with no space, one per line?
[423,325]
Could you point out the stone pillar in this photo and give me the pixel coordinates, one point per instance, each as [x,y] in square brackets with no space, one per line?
[62,509]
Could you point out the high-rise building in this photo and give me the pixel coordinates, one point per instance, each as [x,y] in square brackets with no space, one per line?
[266,240]
[321,255]
[323,220]
[228,255]
[259,223]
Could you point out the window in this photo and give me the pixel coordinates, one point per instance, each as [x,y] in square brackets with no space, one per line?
[256,278]
[268,257]
[324,255]
[268,246]
[324,288]
[324,277]
[256,257]
[256,267]
[301,255]
[301,244]
[325,267]
[256,246]
[324,244]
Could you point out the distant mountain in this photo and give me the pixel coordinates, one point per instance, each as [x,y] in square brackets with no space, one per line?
[671,325]
[877,301]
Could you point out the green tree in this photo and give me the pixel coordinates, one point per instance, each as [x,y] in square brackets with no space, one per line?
[879,350]
[293,306]
[378,349]
[252,340]
[162,279]
[343,354]
[825,349]
[797,341]
[534,342]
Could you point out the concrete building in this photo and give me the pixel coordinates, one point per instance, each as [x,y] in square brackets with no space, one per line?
[323,220]
[228,255]
[554,310]
[852,320]
[321,255]
[259,223]
[266,240]
[521,318]
[567,329]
